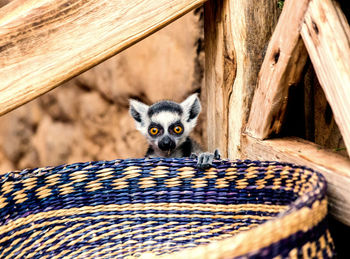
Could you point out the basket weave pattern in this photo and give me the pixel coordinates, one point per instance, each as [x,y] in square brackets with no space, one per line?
[165,207]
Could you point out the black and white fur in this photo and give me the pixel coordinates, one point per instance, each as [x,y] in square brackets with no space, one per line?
[165,116]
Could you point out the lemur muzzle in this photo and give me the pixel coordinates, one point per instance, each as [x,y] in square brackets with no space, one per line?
[166,143]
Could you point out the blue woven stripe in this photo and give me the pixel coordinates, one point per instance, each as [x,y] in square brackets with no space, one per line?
[121,230]
[187,216]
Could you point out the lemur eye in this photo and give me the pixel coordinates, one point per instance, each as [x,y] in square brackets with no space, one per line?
[177,129]
[154,131]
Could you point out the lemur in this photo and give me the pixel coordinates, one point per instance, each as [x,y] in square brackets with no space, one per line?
[167,126]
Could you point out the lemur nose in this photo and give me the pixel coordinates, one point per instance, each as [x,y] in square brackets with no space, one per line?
[166,143]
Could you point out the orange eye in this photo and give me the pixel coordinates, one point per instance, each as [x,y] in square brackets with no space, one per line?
[177,129]
[154,131]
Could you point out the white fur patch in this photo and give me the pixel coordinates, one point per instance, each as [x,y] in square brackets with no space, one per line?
[165,118]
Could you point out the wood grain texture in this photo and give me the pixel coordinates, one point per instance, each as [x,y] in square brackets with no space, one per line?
[44,42]
[252,24]
[220,71]
[326,34]
[282,68]
[326,130]
[236,35]
[334,167]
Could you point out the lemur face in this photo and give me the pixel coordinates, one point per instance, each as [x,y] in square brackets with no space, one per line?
[166,124]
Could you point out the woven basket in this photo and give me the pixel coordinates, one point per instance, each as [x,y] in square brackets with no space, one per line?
[164,207]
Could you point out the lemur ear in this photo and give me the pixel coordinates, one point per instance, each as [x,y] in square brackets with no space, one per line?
[138,111]
[191,107]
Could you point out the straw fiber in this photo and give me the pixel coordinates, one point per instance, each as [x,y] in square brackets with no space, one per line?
[164,208]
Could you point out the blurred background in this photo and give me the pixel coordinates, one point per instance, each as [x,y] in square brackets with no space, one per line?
[87,118]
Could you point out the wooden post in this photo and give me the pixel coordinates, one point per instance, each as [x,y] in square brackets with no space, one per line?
[46,42]
[282,68]
[326,34]
[236,35]
[220,71]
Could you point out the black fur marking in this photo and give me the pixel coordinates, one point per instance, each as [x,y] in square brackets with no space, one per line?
[149,152]
[136,115]
[172,126]
[186,147]
[195,109]
[159,127]
[164,106]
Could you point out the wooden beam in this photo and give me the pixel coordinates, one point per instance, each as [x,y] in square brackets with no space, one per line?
[236,34]
[46,42]
[282,68]
[326,34]
[220,69]
[334,167]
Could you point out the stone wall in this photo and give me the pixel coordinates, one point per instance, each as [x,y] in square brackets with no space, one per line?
[87,118]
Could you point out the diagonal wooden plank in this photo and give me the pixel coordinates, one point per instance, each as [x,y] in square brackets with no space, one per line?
[326,34]
[45,42]
[282,68]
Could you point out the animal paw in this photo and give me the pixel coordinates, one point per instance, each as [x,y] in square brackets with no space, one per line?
[205,160]
[217,155]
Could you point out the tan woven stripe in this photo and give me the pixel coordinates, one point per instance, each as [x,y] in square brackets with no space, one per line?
[161,246]
[259,237]
[169,230]
[54,222]
[14,243]
[57,246]
[92,186]
[72,237]
[20,196]
[43,191]
[154,228]
[159,173]
[60,255]
[306,247]
[181,236]
[79,253]
[151,215]
[29,183]
[48,242]
[114,247]
[37,242]
[7,187]
[28,239]
[155,206]
[111,233]
[74,234]
[116,231]
[132,233]
[141,246]
[72,253]
[3,202]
